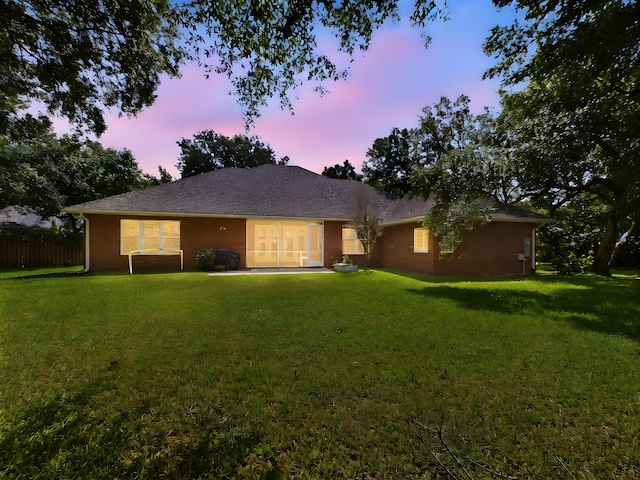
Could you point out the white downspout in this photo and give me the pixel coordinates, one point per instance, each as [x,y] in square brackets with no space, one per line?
[533,250]
[87,243]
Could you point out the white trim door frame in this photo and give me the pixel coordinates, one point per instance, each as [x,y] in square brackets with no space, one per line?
[315,245]
[285,243]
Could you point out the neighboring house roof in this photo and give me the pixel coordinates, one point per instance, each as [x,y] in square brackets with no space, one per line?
[23,217]
[265,191]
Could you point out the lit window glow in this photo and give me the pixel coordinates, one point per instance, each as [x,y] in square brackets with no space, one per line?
[351,245]
[155,237]
[421,240]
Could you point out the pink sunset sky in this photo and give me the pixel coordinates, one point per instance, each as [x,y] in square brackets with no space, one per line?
[388,86]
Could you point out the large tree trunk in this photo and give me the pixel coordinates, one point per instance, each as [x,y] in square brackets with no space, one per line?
[602,262]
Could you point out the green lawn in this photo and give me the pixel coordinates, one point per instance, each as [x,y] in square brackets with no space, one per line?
[367,375]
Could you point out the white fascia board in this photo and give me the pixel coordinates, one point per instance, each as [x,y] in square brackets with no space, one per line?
[403,221]
[197,215]
[296,219]
[540,221]
[147,214]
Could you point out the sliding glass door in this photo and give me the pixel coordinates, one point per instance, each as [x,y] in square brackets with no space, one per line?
[316,237]
[272,243]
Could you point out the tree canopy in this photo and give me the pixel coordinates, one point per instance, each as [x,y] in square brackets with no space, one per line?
[47,173]
[82,56]
[346,171]
[390,163]
[269,48]
[575,126]
[454,148]
[529,155]
[567,139]
[208,151]
[462,167]
[569,158]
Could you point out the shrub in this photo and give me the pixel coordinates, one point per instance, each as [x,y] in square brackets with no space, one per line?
[572,263]
[204,259]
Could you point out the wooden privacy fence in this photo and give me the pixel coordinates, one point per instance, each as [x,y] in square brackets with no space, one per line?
[17,253]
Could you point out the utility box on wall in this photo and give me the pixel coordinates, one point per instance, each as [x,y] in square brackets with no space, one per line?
[526,247]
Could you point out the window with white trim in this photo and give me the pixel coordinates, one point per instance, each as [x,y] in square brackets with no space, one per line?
[155,237]
[421,240]
[351,245]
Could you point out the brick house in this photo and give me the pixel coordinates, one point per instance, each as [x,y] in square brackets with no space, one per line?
[285,216]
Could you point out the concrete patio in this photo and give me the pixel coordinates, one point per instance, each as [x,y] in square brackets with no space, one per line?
[271,271]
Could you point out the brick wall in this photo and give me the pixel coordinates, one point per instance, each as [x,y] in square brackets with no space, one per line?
[488,250]
[397,250]
[213,233]
[195,233]
[332,243]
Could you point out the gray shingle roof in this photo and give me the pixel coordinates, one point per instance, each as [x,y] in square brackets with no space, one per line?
[404,209]
[268,191]
[514,214]
[264,191]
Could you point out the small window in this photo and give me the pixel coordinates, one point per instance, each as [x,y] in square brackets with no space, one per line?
[351,245]
[421,240]
[150,236]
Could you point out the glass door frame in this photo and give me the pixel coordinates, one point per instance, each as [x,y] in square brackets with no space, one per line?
[305,257]
[316,263]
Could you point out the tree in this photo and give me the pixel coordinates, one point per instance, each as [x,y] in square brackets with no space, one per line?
[209,151]
[390,163]
[165,176]
[570,243]
[452,157]
[346,171]
[366,219]
[563,163]
[463,166]
[47,173]
[575,124]
[80,57]
[268,48]
[567,139]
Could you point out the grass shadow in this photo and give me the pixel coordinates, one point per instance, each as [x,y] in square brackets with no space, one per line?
[76,434]
[39,274]
[589,303]
[45,275]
